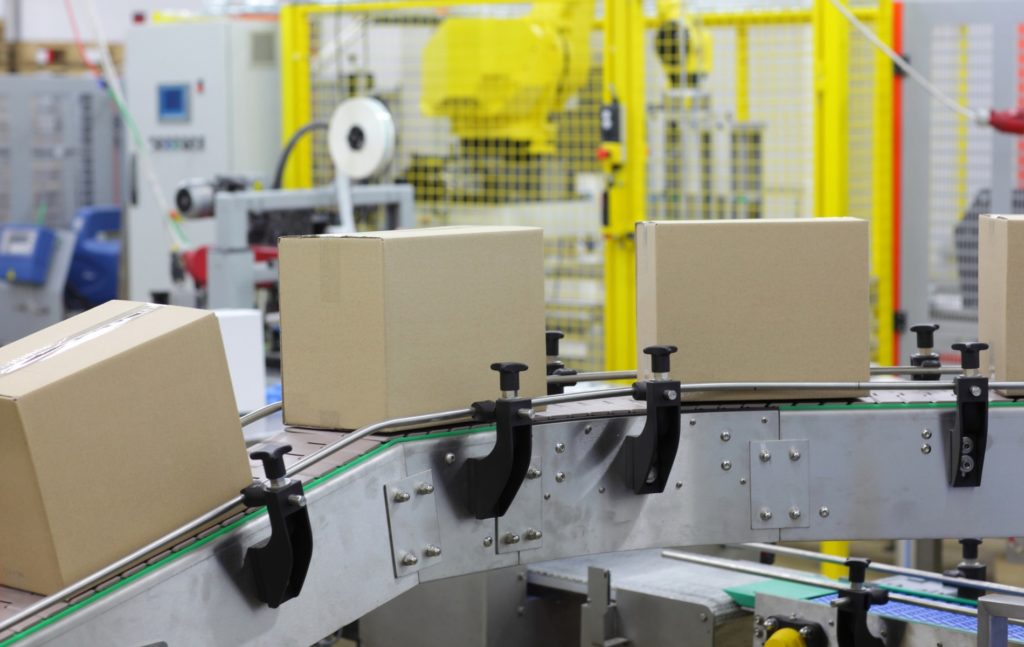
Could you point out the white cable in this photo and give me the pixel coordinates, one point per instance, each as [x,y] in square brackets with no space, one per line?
[980,116]
[114,81]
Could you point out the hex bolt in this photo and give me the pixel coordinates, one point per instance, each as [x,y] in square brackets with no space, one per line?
[424,488]
[794,454]
[533,473]
[771,623]
[432,551]
[588,429]
[726,465]
[693,422]
[926,449]
[805,632]
[410,560]
[297,500]
[794,513]
[764,421]
[559,448]
[488,541]
[926,433]
[765,455]
[533,535]
[766,514]
[823,512]
[975,391]
[679,485]
[743,481]
[671,396]
[559,477]
[449,458]
[601,490]
[510,538]
[547,496]
[726,435]
[401,496]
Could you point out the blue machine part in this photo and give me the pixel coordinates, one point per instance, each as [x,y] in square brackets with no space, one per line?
[172,102]
[913,613]
[94,266]
[25,253]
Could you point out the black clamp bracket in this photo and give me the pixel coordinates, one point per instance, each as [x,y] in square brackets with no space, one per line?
[812,633]
[969,568]
[279,564]
[925,357]
[968,437]
[495,479]
[648,458]
[852,608]
[555,366]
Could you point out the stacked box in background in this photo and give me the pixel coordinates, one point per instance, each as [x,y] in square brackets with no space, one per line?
[116,427]
[1001,297]
[756,301]
[390,324]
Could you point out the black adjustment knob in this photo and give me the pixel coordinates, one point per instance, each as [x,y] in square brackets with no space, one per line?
[970,548]
[970,353]
[660,357]
[858,569]
[272,456]
[551,338]
[925,334]
[509,372]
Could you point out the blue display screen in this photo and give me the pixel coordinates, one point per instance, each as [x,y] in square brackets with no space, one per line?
[172,102]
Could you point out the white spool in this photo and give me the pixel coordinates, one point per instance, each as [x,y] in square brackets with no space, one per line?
[361,138]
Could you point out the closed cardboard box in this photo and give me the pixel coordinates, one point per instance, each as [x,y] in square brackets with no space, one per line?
[1001,296]
[116,427]
[390,324]
[756,301]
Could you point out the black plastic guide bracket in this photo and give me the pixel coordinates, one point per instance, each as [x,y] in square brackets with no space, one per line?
[648,458]
[852,608]
[969,568]
[495,479]
[925,357]
[968,438]
[279,564]
[555,366]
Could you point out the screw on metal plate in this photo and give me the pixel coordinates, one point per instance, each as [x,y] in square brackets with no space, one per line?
[424,488]
[770,624]
[743,481]
[670,395]
[926,433]
[975,391]
[794,454]
[297,500]
[601,490]
[794,513]
[823,512]
[449,458]
[703,617]
[726,465]
[559,477]
[533,535]
[588,429]
[401,496]
[432,551]
[926,449]
[488,541]
[805,632]
[510,538]
[547,495]
[533,473]
[693,422]
[766,514]
[765,455]
[726,435]
[679,485]
[764,421]
[410,560]
[559,448]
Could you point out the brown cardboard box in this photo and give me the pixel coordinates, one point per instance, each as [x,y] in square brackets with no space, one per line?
[389,324]
[116,427]
[1001,296]
[756,301]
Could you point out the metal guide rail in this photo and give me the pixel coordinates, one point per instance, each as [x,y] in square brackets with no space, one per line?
[389,512]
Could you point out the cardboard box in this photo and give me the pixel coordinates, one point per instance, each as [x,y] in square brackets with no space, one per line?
[756,301]
[390,324]
[116,427]
[1001,296]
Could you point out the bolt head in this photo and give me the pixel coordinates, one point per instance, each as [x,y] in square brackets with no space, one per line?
[559,477]
[743,481]
[975,391]
[765,455]
[432,551]
[794,454]
[794,513]
[449,458]
[693,422]
[297,500]
[588,429]
[926,433]
[510,538]
[547,496]
[764,421]
[488,542]
[926,449]
[671,396]
[824,512]
[703,617]
[770,624]
[726,465]
[805,632]
[533,535]
[766,514]
[559,448]
[533,473]
[726,435]
[401,497]
[527,414]
[601,490]
[425,488]
[409,560]
[679,485]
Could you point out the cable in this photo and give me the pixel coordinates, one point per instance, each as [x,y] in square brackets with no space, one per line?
[286,152]
[79,45]
[979,116]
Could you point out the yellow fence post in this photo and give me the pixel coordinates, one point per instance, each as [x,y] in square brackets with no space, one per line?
[623,81]
[882,252]
[296,103]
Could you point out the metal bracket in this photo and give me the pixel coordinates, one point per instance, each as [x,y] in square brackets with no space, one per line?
[968,438]
[495,479]
[648,458]
[412,523]
[599,616]
[994,611]
[522,527]
[779,484]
